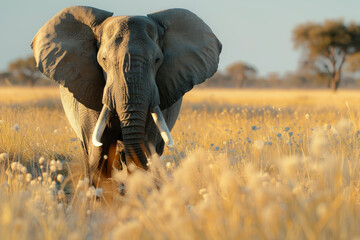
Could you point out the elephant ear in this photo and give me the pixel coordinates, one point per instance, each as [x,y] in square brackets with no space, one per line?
[65,50]
[191,53]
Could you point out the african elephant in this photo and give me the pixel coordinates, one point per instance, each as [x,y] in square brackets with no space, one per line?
[116,73]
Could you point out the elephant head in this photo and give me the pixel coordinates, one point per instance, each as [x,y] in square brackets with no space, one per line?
[127,65]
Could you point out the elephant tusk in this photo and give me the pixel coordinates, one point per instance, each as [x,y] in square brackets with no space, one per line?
[100,126]
[161,125]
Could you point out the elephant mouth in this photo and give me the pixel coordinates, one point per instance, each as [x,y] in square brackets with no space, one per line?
[155,113]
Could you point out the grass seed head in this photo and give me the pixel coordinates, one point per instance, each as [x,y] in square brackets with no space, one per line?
[60,178]
[4,157]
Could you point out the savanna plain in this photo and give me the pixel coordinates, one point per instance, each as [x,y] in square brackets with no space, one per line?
[247,164]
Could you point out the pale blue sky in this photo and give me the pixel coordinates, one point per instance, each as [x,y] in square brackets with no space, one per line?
[257,32]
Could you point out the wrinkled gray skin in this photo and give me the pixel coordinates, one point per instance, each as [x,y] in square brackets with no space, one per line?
[130,64]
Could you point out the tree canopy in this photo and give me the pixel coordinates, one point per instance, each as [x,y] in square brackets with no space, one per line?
[239,72]
[328,45]
[25,70]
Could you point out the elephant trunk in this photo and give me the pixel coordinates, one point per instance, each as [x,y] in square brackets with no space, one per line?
[132,117]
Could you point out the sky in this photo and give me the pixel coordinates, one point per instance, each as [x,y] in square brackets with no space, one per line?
[257,32]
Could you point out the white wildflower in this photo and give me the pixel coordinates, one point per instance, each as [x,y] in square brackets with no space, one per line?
[90,192]
[52,162]
[41,160]
[59,165]
[98,192]
[23,170]
[60,178]
[80,184]
[168,165]
[52,168]
[14,166]
[3,157]
[202,191]
[28,177]
[149,163]
[259,144]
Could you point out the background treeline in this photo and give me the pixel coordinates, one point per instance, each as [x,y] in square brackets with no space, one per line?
[302,78]
[330,59]
[24,72]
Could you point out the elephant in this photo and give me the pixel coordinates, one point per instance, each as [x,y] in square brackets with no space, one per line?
[122,78]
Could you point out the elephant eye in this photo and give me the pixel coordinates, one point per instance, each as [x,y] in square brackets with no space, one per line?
[157,60]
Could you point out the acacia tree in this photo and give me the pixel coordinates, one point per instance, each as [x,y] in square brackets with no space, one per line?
[25,70]
[240,72]
[328,45]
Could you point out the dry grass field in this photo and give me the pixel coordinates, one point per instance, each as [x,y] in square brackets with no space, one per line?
[247,164]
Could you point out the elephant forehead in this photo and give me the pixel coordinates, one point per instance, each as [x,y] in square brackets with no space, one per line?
[126,25]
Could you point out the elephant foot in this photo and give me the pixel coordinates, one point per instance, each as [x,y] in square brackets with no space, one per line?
[120,155]
[114,159]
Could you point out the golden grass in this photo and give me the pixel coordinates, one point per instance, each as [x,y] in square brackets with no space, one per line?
[260,97]
[248,164]
[26,95]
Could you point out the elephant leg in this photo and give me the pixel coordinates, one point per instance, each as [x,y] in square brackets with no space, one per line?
[103,159]
[85,159]
[82,120]
[120,153]
[115,157]
[98,168]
